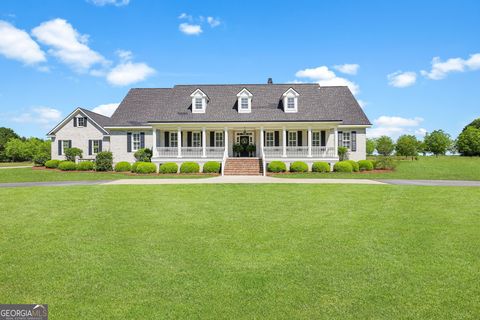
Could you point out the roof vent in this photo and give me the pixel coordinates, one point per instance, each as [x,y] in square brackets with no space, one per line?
[269,81]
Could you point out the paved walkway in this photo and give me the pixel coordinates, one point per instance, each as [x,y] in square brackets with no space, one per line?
[446,183]
[15,167]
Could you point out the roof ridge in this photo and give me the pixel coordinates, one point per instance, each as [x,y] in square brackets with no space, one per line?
[99,114]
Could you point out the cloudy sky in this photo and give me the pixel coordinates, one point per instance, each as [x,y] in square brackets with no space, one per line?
[414,66]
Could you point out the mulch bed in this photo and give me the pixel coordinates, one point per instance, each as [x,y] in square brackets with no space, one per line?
[360,172]
[129,173]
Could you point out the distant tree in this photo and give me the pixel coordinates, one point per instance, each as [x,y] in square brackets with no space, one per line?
[437,142]
[385,145]
[17,149]
[5,135]
[370,146]
[422,148]
[468,142]
[475,123]
[407,146]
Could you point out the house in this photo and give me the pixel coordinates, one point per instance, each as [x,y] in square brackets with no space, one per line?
[258,123]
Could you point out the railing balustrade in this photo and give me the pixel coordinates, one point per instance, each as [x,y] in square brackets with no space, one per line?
[192,152]
[299,152]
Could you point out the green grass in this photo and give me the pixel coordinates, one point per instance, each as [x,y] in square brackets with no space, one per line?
[426,168]
[15,164]
[242,251]
[31,175]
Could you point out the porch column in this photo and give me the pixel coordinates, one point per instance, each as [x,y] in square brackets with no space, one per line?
[309,142]
[179,143]
[284,142]
[154,142]
[204,142]
[261,141]
[225,138]
[335,138]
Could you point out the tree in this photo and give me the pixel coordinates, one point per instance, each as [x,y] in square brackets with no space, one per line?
[475,123]
[72,153]
[422,148]
[5,135]
[385,145]
[437,142]
[17,149]
[342,153]
[407,146]
[468,142]
[370,146]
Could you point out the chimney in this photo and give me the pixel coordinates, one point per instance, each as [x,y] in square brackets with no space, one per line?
[269,81]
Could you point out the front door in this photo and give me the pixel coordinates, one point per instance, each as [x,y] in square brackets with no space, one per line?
[244,142]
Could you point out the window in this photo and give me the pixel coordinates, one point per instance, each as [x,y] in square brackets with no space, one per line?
[65,145]
[244,103]
[292,138]
[96,146]
[291,103]
[81,122]
[219,139]
[198,103]
[270,139]
[135,141]
[196,139]
[316,139]
[346,139]
[173,139]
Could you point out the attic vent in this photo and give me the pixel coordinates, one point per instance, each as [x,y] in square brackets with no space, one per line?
[269,81]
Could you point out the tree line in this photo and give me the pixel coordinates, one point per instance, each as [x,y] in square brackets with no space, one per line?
[14,148]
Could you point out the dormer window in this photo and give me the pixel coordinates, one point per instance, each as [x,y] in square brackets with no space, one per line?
[290,101]
[199,101]
[244,101]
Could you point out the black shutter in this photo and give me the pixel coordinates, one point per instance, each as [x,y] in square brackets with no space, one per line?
[167,139]
[286,138]
[69,143]
[85,121]
[142,140]
[59,147]
[74,121]
[189,138]
[212,139]
[299,138]
[89,147]
[340,138]
[100,146]
[129,142]
[354,140]
[277,138]
[323,141]
[264,138]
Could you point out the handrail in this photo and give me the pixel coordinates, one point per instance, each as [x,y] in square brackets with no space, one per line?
[264,163]
[224,160]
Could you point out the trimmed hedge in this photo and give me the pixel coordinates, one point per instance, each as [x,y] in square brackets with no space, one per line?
[320,167]
[146,167]
[211,167]
[343,166]
[189,167]
[354,164]
[85,166]
[298,166]
[123,166]
[276,166]
[52,164]
[169,167]
[41,157]
[67,166]
[365,165]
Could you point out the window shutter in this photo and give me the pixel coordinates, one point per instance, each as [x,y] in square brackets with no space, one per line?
[157,132]
[264,138]
[299,138]
[189,138]
[129,142]
[322,139]
[277,138]
[74,121]
[340,138]
[142,140]
[85,121]
[59,147]
[212,139]
[354,141]
[69,143]
[167,139]
[100,148]
[89,147]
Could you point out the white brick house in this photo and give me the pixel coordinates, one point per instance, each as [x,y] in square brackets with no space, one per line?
[286,122]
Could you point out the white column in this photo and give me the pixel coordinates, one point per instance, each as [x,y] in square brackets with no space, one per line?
[261,140]
[335,138]
[309,142]
[179,142]
[154,142]
[225,139]
[284,142]
[204,142]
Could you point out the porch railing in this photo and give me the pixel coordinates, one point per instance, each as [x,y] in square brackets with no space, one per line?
[192,152]
[167,151]
[273,151]
[299,152]
[323,152]
[215,152]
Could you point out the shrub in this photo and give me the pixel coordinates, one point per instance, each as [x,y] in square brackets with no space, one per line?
[40,158]
[365,165]
[342,153]
[85,166]
[320,167]
[134,166]
[385,163]
[298,166]
[52,164]
[211,167]
[72,153]
[169,167]
[143,155]
[189,167]
[145,167]
[104,161]
[123,166]
[276,166]
[343,166]
[67,166]
[354,164]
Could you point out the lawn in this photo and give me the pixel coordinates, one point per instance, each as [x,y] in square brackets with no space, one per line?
[242,251]
[425,168]
[30,175]
[15,164]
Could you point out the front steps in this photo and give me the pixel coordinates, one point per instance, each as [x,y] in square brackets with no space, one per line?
[243,167]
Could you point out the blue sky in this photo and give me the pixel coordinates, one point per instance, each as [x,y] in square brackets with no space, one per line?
[413,65]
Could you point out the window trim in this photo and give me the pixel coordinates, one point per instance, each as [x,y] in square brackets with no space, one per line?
[173,142]
[244,103]
[93,146]
[65,147]
[316,141]
[347,142]
[199,142]
[197,105]
[292,142]
[292,100]
[134,142]
[218,143]
[83,122]
[269,140]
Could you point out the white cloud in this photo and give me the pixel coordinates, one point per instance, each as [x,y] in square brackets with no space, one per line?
[401,79]
[44,116]
[398,121]
[440,69]
[117,3]
[17,44]
[213,22]
[190,29]
[67,44]
[394,127]
[348,68]
[106,109]
[421,132]
[124,55]
[127,73]
[183,15]
[326,77]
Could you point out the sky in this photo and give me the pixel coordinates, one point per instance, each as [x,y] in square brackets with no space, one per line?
[414,66]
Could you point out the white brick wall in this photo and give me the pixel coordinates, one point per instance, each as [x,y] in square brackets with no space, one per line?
[118,144]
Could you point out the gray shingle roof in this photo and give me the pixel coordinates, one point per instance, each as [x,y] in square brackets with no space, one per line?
[98,118]
[315,103]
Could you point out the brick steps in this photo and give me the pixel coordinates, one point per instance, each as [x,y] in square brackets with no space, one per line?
[243,167]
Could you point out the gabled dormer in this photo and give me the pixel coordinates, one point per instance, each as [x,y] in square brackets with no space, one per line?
[244,101]
[290,101]
[199,101]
